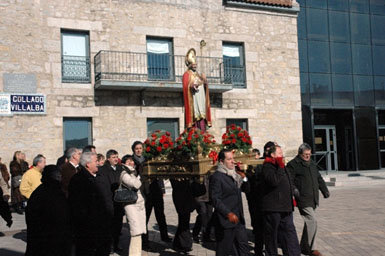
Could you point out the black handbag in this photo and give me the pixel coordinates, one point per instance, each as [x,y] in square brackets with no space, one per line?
[125,195]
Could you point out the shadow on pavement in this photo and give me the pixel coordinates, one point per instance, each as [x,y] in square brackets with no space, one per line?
[22,235]
[6,252]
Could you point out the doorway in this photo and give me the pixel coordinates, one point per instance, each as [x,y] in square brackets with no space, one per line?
[325,149]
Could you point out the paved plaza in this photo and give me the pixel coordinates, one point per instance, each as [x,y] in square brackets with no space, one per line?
[351,222]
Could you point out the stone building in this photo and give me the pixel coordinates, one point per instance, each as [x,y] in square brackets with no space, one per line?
[108,72]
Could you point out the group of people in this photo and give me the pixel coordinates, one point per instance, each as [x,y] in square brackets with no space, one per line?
[276,189]
[70,207]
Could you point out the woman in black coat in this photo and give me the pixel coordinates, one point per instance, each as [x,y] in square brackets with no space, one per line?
[47,217]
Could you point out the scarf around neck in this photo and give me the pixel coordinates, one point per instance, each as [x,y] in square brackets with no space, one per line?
[139,159]
[232,173]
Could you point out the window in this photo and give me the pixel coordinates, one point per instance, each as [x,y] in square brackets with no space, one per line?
[234,64]
[362,59]
[341,58]
[378,60]
[363,90]
[305,97]
[160,60]
[317,24]
[338,5]
[318,56]
[379,86]
[302,54]
[170,125]
[342,90]
[77,132]
[339,26]
[238,122]
[378,25]
[75,57]
[320,89]
[359,28]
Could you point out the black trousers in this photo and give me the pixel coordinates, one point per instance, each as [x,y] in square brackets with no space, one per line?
[117,223]
[280,224]
[202,221]
[183,238]
[155,200]
[231,240]
[256,217]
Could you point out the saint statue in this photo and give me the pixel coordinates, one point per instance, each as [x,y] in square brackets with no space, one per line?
[195,95]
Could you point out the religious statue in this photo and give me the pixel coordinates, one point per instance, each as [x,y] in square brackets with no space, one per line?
[195,95]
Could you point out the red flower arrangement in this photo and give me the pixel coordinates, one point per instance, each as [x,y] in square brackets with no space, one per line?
[158,144]
[236,138]
[186,145]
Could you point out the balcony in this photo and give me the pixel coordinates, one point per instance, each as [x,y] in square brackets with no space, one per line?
[116,70]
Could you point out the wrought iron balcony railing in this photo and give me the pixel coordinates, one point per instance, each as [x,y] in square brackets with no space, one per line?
[76,69]
[118,66]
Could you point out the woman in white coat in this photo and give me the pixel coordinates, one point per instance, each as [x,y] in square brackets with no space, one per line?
[135,213]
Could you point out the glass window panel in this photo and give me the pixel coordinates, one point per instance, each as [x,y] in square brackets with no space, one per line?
[378,28]
[302,52]
[170,125]
[362,59]
[363,91]
[77,132]
[305,95]
[75,57]
[301,24]
[320,89]
[342,90]
[377,7]
[160,59]
[359,6]
[234,67]
[341,58]
[339,26]
[359,28]
[317,24]
[317,4]
[378,60]
[74,44]
[338,5]
[319,60]
[238,122]
[379,89]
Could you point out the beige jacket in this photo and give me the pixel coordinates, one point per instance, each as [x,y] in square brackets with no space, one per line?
[4,186]
[135,213]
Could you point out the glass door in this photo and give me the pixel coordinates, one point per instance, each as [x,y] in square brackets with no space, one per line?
[325,150]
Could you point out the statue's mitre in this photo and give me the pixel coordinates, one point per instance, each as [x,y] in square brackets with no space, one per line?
[190,57]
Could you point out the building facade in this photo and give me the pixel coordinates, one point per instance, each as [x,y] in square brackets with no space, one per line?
[342,72]
[108,73]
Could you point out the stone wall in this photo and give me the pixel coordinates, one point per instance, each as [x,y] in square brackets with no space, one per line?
[30,42]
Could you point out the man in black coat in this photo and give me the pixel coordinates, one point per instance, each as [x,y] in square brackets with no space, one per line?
[308,181]
[277,205]
[91,208]
[225,195]
[48,218]
[112,170]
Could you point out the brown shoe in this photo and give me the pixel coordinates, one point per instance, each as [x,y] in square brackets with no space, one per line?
[316,253]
